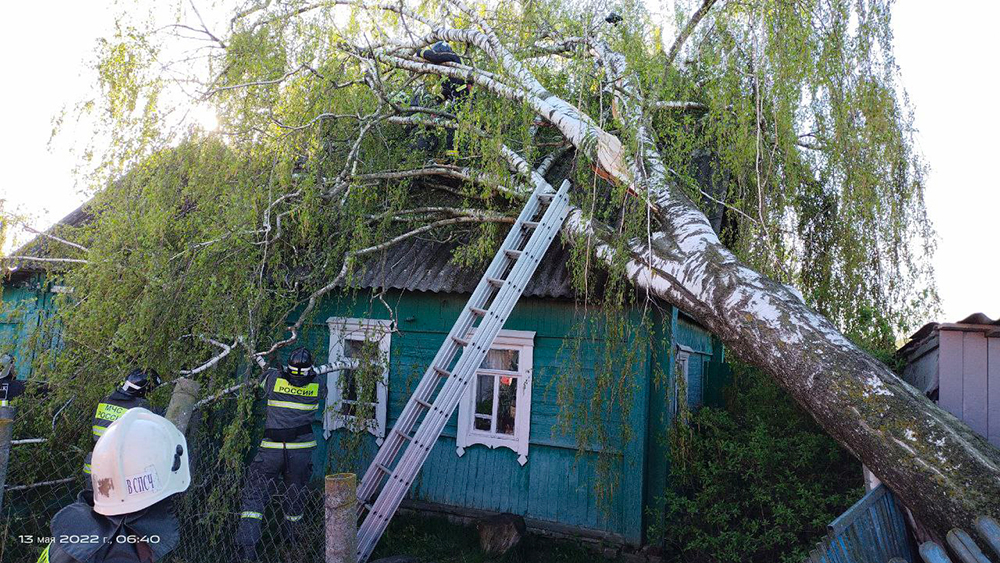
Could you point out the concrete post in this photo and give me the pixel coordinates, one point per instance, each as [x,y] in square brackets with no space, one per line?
[182,402]
[6,433]
[341,500]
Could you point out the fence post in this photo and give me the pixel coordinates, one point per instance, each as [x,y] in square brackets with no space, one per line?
[6,433]
[341,500]
[182,403]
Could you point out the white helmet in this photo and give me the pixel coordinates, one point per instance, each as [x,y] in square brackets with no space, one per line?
[6,366]
[140,460]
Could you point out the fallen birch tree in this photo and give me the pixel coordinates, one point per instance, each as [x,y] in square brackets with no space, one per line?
[812,181]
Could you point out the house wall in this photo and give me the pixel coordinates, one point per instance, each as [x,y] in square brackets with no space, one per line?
[25,303]
[921,370]
[708,375]
[557,482]
[969,372]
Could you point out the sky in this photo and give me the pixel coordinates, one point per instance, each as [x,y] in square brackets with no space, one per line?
[944,55]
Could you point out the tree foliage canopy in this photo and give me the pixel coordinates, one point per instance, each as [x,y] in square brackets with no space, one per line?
[795,140]
[783,122]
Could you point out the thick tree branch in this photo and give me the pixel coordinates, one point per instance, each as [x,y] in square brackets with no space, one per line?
[52,260]
[689,28]
[226,349]
[913,446]
[57,239]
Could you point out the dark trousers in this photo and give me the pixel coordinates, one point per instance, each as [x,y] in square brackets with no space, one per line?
[280,470]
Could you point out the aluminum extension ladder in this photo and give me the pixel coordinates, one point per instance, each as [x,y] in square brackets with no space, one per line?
[446,380]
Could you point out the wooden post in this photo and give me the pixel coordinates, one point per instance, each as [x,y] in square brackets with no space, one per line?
[182,403]
[341,500]
[6,433]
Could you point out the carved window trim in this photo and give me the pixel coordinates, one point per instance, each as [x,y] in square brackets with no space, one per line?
[468,435]
[358,330]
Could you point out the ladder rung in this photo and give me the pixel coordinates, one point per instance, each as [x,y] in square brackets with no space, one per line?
[383,469]
[424,404]
[401,435]
[495,282]
[515,254]
[546,197]
[530,224]
[478,311]
[442,372]
[460,341]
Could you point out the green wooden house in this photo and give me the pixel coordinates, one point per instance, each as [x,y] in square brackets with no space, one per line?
[504,450]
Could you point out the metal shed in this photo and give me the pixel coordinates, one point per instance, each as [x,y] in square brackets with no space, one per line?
[958,366]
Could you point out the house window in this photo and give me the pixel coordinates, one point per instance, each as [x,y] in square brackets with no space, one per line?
[358,394]
[496,410]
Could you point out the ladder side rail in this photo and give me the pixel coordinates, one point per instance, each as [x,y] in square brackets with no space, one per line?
[391,446]
[448,399]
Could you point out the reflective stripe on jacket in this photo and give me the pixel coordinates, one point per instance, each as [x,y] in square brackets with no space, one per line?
[287,445]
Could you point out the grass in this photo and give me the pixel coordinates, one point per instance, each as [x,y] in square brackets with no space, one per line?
[435,540]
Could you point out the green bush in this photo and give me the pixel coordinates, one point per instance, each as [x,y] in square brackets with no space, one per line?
[758,481]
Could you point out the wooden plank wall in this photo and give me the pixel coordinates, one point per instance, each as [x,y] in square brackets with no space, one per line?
[873,530]
[697,338]
[23,309]
[557,482]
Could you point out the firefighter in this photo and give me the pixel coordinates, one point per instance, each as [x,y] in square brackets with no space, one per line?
[452,89]
[293,396]
[131,394]
[10,387]
[139,464]
[440,53]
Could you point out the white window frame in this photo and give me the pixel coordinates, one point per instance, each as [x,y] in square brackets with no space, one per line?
[524,342]
[682,361]
[362,330]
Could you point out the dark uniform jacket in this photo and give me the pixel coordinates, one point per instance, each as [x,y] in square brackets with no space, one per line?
[292,405]
[81,535]
[9,389]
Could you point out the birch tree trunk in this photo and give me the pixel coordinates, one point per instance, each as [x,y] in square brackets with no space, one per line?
[942,470]
[945,473]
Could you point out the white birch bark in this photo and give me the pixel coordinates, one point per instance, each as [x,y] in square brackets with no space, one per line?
[942,470]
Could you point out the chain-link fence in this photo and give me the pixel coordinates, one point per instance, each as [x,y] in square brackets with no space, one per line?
[45,474]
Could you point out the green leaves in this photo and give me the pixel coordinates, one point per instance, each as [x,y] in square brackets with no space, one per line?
[755,482]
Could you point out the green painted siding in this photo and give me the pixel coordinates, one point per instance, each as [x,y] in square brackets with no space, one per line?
[26,304]
[557,483]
